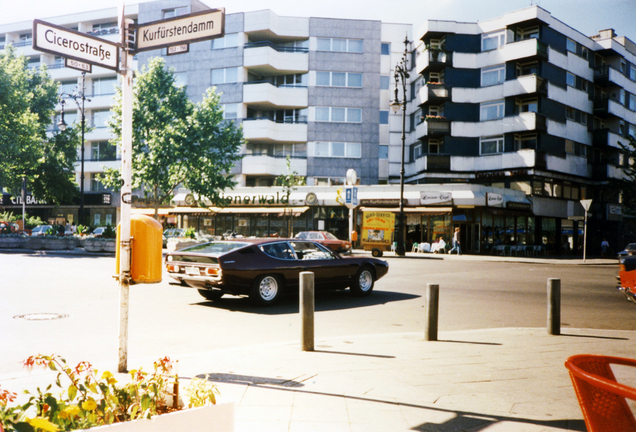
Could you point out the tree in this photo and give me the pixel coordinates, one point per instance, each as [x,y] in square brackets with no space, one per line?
[175,143]
[288,181]
[627,185]
[28,99]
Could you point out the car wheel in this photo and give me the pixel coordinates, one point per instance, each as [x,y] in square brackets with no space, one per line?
[211,294]
[363,282]
[376,252]
[266,290]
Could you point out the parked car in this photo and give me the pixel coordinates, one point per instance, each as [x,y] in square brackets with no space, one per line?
[627,277]
[40,230]
[99,231]
[630,249]
[264,269]
[171,232]
[327,239]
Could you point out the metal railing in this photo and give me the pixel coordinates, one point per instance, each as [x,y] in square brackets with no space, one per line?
[279,48]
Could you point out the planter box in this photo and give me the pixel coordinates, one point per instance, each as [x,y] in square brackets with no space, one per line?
[12,242]
[100,245]
[211,418]
[55,243]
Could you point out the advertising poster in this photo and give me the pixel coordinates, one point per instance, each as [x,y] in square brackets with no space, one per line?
[377,227]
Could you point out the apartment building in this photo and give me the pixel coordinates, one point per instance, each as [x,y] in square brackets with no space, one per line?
[516,119]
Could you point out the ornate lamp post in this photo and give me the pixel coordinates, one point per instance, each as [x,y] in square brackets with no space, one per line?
[77,96]
[401,74]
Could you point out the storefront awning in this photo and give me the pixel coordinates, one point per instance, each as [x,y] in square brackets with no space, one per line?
[150,211]
[280,210]
[189,210]
[429,210]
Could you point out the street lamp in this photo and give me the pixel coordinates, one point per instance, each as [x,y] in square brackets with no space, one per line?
[401,73]
[77,96]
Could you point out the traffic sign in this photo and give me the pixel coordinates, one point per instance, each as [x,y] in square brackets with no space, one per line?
[351,197]
[72,44]
[184,29]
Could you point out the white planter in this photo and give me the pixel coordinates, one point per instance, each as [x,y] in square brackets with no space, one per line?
[180,243]
[211,418]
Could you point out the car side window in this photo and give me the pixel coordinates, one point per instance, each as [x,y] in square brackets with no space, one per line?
[311,251]
[315,236]
[278,250]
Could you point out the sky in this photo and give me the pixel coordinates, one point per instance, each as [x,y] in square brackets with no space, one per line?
[586,16]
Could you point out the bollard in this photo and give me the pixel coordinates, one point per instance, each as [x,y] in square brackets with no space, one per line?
[432,311]
[554,306]
[307,310]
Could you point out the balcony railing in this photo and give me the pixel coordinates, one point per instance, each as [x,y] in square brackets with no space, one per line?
[279,48]
[299,120]
[277,85]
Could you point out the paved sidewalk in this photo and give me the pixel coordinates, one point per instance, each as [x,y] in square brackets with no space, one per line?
[508,379]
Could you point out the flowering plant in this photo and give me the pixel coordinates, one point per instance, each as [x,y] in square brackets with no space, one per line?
[89,401]
[428,117]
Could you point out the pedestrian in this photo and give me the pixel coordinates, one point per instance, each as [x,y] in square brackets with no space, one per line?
[604,248]
[455,243]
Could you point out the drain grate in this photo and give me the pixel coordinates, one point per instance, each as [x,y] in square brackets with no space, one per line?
[41,316]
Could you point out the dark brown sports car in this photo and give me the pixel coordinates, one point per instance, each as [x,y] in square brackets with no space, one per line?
[264,269]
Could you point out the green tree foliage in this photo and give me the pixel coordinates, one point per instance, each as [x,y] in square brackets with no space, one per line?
[175,142]
[27,101]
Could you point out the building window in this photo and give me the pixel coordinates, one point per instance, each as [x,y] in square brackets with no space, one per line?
[175,12]
[228,41]
[571,46]
[97,186]
[436,77]
[493,40]
[493,75]
[417,151]
[292,150]
[384,82]
[339,79]
[340,45]
[230,111]
[526,105]
[631,131]
[531,68]
[103,151]
[570,79]
[100,119]
[528,33]
[338,150]
[338,115]
[224,75]
[491,110]
[385,48]
[67,87]
[526,141]
[383,152]
[434,146]
[632,102]
[104,86]
[437,44]
[384,117]
[632,72]
[491,145]
[569,146]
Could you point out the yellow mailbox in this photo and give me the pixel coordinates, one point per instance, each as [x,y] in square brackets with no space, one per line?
[145,255]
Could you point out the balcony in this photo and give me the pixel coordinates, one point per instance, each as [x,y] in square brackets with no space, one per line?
[525,85]
[266,58]
[267,131]
[434,60]
[264,96]
[606,138]
[255,164]
[605,171]
[502,161]
[433,93]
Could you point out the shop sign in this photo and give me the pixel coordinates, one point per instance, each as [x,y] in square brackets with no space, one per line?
[381,202]
[433,198]
[494,199]
[512,205]
[614,212]
[256,200]
[106,198]
[17,200]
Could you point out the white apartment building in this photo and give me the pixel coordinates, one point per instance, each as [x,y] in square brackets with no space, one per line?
[521,107]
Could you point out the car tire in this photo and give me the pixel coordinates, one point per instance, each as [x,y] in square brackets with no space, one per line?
[375,252]
[211,294]
[363,282]
[266,290]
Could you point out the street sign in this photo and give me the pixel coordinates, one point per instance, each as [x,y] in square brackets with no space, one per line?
[78,65]
[180,30]
[351,197]
[178,49]
[72,44]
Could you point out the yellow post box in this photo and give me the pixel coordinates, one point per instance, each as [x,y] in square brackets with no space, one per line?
[146,244]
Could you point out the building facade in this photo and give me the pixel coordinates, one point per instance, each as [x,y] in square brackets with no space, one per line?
[521,105]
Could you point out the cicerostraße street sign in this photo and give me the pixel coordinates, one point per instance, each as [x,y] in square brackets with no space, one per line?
[71,44]
[194,27]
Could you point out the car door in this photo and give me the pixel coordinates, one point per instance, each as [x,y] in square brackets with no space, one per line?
[329,270]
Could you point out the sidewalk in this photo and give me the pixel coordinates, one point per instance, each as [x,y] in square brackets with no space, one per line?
[507,379]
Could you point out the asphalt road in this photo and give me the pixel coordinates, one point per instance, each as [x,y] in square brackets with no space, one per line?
[70,306]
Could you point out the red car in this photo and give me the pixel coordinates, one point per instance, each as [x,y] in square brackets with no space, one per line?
[264,269]
[327,239]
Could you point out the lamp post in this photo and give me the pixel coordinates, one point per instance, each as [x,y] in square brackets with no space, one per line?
[401,74]
[77,96]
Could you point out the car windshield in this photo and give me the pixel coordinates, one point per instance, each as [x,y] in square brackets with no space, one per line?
[311,251]
[215,248]
[631,247]
[331,236]
[302,235]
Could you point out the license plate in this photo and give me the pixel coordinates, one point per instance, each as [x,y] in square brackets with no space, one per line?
[192,271]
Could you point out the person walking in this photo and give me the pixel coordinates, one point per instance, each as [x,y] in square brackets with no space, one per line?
[455,243]
[604,248]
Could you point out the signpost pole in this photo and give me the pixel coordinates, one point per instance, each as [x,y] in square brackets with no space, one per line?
[126,195]
[586,206]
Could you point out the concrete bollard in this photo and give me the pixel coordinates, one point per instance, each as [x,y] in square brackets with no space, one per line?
[307,310]
[554,306]
[432,311]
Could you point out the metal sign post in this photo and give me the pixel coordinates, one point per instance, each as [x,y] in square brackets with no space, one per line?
[586,206]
